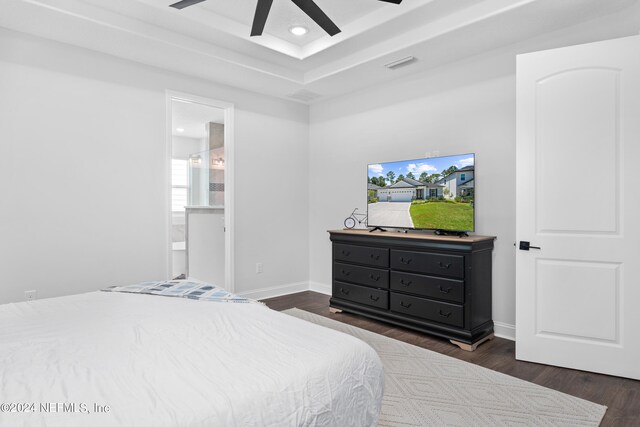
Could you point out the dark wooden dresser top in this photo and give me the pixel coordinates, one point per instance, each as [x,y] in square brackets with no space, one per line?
[418,235]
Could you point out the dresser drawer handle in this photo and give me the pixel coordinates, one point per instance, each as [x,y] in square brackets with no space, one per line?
[344,291]
[402,282]
[374,278]
[445,291]
[407,305]
[345,272]
[375,257]
[444,265]
[444,314]
[346,253]
[374,299]
[405,261]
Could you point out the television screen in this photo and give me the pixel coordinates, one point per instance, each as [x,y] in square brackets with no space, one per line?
[432,193]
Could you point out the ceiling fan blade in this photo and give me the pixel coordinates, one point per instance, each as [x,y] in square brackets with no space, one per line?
[392,1]
[260,18]
[315,13]
[185,3]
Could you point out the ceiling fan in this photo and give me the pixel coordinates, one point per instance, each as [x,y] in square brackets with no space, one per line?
[262,11]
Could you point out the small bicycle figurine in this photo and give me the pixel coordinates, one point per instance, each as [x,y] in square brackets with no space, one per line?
[350,222]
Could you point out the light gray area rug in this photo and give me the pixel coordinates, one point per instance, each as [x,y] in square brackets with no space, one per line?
[425,388]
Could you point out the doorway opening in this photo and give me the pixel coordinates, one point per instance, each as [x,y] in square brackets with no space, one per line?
[200,160]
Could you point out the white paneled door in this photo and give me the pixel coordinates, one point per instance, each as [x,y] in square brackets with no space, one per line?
[578,200]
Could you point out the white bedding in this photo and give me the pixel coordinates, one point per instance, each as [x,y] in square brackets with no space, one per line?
[159,361]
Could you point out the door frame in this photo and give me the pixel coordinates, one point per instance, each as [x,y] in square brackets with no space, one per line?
[229,162]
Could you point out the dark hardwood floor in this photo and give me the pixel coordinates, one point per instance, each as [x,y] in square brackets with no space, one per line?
[620,395]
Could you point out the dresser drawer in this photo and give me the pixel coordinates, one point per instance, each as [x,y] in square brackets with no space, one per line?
[428,286]
[423,308]
[361,294]
[377,257]
[361,275]
[428,263]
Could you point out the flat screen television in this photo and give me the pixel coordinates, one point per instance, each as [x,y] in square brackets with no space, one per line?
[435,193]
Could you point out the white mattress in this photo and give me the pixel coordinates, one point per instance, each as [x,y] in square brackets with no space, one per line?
[160,361]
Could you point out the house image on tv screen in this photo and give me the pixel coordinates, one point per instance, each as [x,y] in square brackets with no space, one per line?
[408,189]
[431,193]
[459,183]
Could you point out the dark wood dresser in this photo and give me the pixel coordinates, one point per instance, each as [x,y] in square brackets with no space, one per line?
[440,285]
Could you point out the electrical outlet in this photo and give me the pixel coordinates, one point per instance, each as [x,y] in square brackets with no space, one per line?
[30,295]
[258,268]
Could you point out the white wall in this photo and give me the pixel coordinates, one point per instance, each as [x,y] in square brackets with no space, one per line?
[83,173]
[458,108]
[74,123]
[348,134]
[182,147]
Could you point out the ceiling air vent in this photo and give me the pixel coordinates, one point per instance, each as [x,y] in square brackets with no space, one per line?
[400,62]
[304,95]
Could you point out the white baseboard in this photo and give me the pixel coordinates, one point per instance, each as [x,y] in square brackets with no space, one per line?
[276,291]
[320,288]
[504,330]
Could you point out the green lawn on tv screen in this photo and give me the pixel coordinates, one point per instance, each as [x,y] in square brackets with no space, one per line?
[445,215]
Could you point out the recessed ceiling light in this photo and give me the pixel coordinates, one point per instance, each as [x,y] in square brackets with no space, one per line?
[179,129]
[298,30]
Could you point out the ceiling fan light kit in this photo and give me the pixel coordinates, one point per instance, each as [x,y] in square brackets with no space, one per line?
[298,30]
[309,7]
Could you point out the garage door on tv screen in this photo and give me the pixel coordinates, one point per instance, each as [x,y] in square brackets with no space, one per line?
[435,193]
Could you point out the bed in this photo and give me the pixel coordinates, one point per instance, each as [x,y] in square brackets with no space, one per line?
[110,358]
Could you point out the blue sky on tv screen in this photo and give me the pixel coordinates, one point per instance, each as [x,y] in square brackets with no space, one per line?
[430,166]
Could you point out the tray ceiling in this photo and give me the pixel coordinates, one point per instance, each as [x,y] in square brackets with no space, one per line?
[211,40]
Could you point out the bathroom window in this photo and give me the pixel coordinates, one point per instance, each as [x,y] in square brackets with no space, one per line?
[179,184]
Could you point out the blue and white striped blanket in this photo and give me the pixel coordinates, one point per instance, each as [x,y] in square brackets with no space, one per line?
[181,289]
